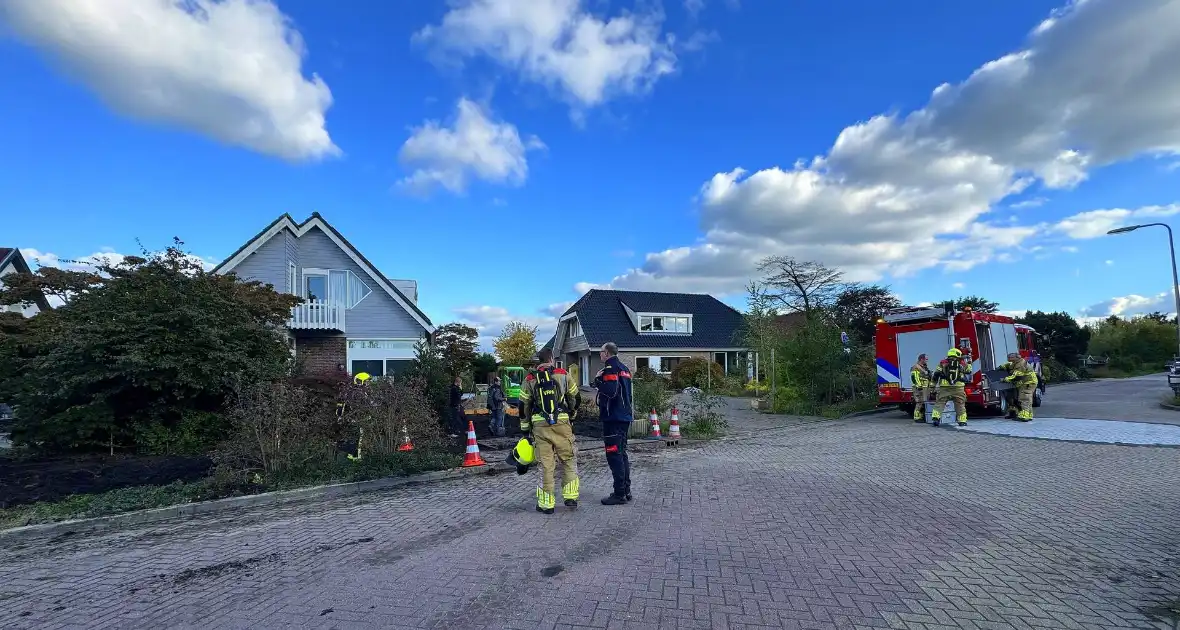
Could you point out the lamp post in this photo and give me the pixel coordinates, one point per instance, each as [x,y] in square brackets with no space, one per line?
[1175,279]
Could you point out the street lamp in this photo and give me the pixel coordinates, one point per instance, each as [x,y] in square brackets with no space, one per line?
[1175,280]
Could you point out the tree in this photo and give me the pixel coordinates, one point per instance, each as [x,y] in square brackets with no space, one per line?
[147,355]
[1060,336]
[516,344]
[63,284]
[456,345]
[1132,345]
[805,286]
[759,331]
[485,364]
[977,304]
[858,306]
[429,371]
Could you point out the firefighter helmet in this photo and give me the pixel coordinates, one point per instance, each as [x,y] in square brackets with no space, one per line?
[522,456]
[954,353]
[361,378]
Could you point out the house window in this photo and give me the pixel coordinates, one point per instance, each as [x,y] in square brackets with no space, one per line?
[720,359]
[373,368]
[397,367]
[659,365]
[665,323]
[575,328]
[292,279]
[334,285]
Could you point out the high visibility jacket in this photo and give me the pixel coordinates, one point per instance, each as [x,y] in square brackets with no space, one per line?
[567,401]
[952,373]
[1020,373]
[920,375]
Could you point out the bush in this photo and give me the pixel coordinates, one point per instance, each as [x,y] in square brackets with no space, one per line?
[283,430]
[1138,345]
[1054,371]
[651,394]
[703,417]
[699,373]
[145,350]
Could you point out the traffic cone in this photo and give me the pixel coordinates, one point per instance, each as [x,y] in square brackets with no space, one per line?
[472,458]
[406,444]
[674,427]
[654,419]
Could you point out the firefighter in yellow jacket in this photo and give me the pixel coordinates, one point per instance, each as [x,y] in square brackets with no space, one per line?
[920,379]
[548,400]
[1024,377]
[951,379]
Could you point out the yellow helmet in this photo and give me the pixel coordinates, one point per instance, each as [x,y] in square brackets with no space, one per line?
[361,377]
[522,456]
[954,352]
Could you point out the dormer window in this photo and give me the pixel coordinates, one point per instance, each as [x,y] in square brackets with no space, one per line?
[665,323]
[575,328]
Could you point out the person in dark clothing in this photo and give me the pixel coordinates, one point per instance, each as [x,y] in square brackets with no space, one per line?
[457,427]
[496,399]
[613,383]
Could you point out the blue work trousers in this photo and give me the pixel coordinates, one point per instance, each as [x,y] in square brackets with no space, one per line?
[614,436]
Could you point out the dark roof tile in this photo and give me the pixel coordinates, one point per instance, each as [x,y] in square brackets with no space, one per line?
[603,318]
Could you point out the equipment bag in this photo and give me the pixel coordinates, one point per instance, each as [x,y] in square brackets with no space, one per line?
[547,396]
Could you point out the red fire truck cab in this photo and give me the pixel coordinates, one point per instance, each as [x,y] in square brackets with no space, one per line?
[985,339]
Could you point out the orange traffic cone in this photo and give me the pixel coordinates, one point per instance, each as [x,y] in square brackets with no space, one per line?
[674,427]
[654,419]
[406,444]
[472,458]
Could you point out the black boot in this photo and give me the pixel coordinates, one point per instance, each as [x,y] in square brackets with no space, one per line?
[628,497]
[571,503]
[614,499]
[544,510]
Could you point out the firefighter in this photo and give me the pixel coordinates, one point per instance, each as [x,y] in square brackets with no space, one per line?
[360,379]
[951,378]
[920,378]
[1024,377]
[548,400]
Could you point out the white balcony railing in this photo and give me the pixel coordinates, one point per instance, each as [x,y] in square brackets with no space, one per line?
[317,314]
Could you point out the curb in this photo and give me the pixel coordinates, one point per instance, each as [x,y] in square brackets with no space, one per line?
[1165,405]
[156,515]
[866,412]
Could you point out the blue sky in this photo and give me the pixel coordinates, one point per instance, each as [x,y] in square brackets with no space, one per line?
[508,154]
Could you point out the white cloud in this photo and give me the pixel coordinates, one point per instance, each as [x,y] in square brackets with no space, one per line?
[1109,263]
[491,320]
[557,309]
[228,69]
[474,147]
[1095,223]
[694,7]
[958,285]
[1070,249]
[897,194]
[1035,202]
[559,44]
[1130,305]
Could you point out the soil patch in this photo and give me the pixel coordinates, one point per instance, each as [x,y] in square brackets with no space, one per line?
[53,479]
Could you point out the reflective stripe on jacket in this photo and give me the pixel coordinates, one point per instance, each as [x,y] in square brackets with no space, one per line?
[569,399]
[920,375]
[1022,374]
[952,374]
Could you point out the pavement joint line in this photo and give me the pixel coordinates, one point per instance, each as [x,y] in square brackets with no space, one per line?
[184,510]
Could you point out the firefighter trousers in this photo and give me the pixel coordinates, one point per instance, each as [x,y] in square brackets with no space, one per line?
[554,443]
[952,394]
[1024,397]
[921,395]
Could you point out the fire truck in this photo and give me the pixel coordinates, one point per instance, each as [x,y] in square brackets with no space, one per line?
[985,339]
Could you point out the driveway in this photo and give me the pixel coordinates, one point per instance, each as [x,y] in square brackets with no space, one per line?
[1135,399]
[868,523]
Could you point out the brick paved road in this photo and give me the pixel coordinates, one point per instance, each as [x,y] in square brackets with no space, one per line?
[869,523]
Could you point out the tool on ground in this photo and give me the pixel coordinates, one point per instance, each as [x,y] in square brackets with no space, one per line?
[654,419]
[674,428]
[406,444]
[472,458]
[522,456]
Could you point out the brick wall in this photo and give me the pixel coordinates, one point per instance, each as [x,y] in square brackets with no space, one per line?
[317,355]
